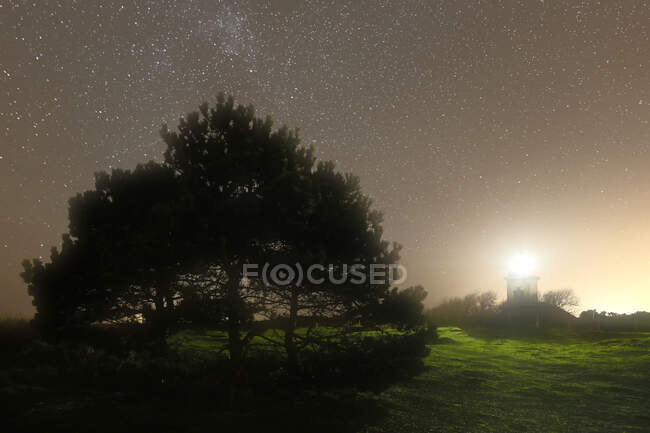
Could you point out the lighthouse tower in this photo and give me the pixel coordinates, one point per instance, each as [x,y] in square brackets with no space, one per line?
[522,288]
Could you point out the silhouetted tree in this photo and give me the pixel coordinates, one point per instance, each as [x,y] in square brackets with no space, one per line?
[241,174]
[263,201]
[336,227]
[486,300]
[57,288]
[403,308]
[563,298]
[120,259]
[168,242]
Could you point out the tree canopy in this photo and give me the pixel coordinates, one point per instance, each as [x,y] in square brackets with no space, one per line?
[167,242]
[562,298]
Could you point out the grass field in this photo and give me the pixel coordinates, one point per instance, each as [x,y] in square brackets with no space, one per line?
[528,381]
[559,381]
[478,381]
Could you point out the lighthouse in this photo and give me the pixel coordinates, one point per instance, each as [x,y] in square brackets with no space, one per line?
[522,283]
[522,289]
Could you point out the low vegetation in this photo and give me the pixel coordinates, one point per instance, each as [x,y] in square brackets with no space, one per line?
[482,379]
[549,380]
[113,383]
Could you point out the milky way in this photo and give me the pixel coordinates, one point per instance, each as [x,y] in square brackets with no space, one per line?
[479,128]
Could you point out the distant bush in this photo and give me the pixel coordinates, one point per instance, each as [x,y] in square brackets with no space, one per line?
[481,309]
[457,311]
[16,333]
[639,321]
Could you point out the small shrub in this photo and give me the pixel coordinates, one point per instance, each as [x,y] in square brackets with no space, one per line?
[369,363]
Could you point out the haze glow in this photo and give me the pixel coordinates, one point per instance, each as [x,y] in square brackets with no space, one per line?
[478,128]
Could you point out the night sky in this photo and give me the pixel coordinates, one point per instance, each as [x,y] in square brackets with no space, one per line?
[481,129]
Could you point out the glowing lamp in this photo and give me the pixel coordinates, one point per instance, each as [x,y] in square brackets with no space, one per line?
[521,264]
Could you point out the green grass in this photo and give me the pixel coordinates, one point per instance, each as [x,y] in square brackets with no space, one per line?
[510,381]
[477,381]
[207,345]
[557,381]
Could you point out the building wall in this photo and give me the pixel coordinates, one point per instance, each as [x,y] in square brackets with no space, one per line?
[522,288]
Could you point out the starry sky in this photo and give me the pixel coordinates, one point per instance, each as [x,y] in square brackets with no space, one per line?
[480,128]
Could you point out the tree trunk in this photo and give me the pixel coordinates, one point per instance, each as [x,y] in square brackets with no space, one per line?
[293,359]
[159,316]
[235,345]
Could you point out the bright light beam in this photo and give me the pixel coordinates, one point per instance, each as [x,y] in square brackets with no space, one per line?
[521,264]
